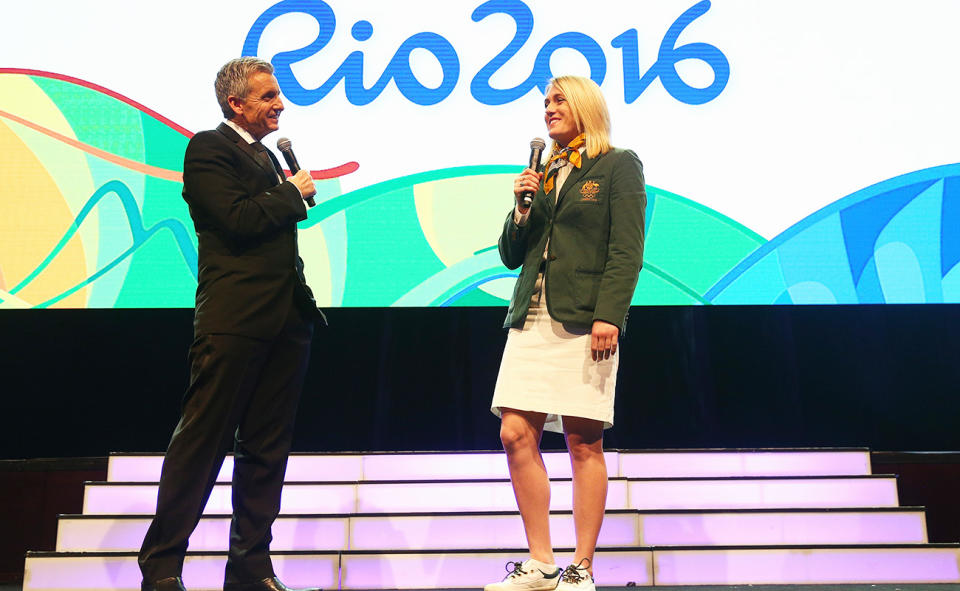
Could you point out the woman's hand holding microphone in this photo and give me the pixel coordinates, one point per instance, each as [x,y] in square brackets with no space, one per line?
[526,184]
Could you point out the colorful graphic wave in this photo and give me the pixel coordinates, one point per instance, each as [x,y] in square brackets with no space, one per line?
[895,242]
[92,217]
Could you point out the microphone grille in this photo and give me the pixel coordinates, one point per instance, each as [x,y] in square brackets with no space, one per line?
[283,144]
[537,143]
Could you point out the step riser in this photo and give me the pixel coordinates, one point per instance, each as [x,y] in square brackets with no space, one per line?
[313,468]
[107,499]
[762,494]
[506,531]
[782,529]
[301,499]
[460,570]
[200,573]
[417,571]
[772,567]
[744,464]
[211,535]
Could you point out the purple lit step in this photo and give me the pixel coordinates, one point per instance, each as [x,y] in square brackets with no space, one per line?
[446,497]
[439,532]
[408,532]
[760,493]
[354,467]
[403,570]
[783,528]
[119,572]
[424,570]
[477,532]
[923,564]
[720,463]
[462,466]
[738,566]
[141,499]
[125,534]
[492,465]
[442,532]
[311,498]
[300,468]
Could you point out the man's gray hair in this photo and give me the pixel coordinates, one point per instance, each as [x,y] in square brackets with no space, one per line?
[232,80]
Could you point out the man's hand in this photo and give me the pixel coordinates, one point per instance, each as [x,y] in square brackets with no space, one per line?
[603,340]
[304,182]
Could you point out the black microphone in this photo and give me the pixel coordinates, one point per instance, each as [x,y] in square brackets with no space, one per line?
[286,148]
[536,149]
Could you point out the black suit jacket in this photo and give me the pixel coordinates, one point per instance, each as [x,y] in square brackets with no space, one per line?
[249,271]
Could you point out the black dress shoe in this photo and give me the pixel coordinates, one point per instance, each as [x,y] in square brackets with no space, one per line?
[168,584]
[268,584]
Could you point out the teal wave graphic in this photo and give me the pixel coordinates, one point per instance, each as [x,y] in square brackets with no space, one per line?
[894,242]
[138,232]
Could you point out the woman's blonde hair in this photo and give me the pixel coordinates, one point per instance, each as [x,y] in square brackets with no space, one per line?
[589,109]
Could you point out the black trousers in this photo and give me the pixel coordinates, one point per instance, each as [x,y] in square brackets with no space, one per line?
[245,391]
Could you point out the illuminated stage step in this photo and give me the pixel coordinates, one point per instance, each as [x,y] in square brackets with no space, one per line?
[487,465]
[428,521]
[472,569]
[82,533]
[114,498]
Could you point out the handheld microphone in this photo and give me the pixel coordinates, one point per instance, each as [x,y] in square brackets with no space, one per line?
[536,149]
[286,148]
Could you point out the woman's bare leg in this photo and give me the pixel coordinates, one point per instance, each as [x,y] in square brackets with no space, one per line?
[585,443]
[520,432]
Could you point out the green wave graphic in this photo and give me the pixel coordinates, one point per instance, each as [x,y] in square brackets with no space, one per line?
[426,239]
[391,261]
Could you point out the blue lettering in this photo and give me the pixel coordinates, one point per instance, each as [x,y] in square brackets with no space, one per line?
[400,71]
[480,85]
[351,70]
[291,88]
[666,65]
[587,47]
[407,82]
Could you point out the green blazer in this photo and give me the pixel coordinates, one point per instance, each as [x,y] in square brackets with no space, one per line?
[596,235]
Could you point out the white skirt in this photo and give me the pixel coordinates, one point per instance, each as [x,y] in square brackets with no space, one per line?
[547,368]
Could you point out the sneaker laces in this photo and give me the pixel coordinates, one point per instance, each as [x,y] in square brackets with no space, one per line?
[515,570]
[575,573]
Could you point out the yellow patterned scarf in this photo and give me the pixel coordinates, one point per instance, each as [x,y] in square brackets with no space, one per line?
[571,154]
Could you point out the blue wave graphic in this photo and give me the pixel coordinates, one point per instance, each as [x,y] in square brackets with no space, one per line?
[894,242]
[474,286]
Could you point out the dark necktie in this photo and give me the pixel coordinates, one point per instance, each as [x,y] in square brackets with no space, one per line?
[265,158]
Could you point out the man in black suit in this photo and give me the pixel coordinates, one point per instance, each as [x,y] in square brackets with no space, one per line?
[253,326]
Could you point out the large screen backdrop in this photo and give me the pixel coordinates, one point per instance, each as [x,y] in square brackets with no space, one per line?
[795,153]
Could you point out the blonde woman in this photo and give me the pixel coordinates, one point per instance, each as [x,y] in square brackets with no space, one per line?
[580,245]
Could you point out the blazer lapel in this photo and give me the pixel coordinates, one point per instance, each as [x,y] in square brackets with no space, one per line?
[586,163]
[248,149]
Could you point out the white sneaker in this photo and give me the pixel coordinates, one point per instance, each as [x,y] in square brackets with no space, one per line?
[531,575]
[576,578]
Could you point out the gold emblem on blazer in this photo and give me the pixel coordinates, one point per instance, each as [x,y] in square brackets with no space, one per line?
[589,191]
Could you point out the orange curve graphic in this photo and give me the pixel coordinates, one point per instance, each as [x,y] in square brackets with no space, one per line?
[163,173]
[171,175]
[155,171]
